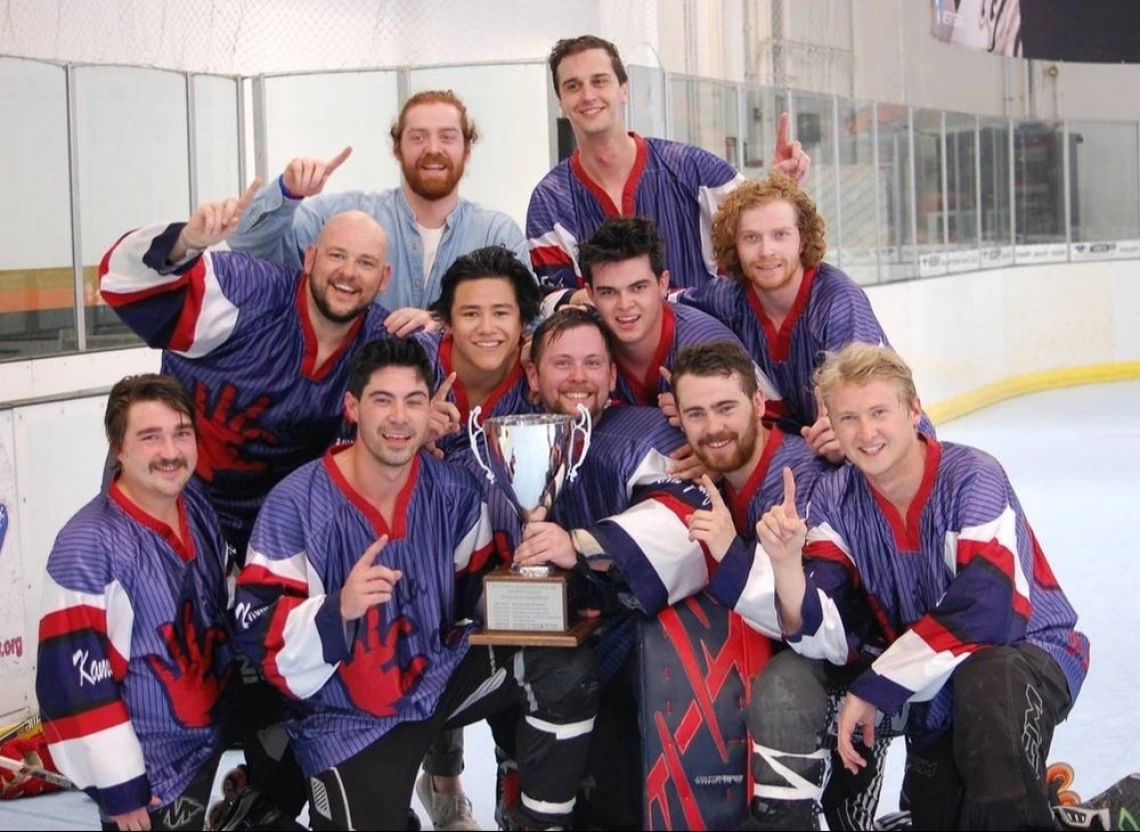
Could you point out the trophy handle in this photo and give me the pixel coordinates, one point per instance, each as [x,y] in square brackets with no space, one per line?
[584,426]
[474,431]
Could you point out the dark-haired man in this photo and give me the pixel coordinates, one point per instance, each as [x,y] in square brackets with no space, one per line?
[134,646]
[616,173]
[487,298]
[362,566]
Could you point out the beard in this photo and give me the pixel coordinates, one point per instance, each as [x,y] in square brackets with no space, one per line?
[435,187]
[740,453]
[320,298]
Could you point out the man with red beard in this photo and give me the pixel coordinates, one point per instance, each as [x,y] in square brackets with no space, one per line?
[427,222]
[783,302]
[720,408]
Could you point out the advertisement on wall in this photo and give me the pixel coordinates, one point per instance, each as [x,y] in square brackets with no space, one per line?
[14,660]
[1049,30]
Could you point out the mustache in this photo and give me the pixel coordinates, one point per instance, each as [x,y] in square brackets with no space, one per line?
[165,463]
[434,159]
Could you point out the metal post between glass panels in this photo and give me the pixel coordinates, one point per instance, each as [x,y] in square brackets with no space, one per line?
[191,143]
[878,198]
[76,236]
[912,189]
[260,135]
[1065,179]
[838,192]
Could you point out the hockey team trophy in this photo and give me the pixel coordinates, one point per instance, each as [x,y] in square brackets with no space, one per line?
[528,458]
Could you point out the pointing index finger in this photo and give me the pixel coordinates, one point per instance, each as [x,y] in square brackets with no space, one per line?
[665,374]
[713,492]
[820,404]
[248,196]
[337,161]
[782,135]
[445,388]
[789,489]
[372,551]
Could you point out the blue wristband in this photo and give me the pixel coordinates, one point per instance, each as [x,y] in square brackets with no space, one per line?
[285,192]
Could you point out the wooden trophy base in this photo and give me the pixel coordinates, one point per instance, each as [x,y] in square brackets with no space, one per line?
[578,632]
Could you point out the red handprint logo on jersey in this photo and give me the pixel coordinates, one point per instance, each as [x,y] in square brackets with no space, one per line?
[222,434]
[192,683]
[375,681]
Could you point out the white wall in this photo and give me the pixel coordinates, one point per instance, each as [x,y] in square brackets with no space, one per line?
[965,331]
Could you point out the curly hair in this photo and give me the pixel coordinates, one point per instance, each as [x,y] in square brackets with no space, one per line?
[777,187]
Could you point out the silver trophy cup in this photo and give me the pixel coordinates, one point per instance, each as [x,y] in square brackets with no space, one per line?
[529,458]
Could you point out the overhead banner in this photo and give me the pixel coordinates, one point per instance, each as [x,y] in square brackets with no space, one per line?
[1104,31]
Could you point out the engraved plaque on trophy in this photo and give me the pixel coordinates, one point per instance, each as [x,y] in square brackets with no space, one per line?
[529,457]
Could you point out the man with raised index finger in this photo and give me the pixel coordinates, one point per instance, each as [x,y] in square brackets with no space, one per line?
[428,223]
[363,566]
[919,556]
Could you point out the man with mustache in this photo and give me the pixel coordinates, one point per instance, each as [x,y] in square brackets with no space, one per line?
[784,303]
[428,223]
[134,648]
[613,172]
[721,410]
[265,352]
[363,567]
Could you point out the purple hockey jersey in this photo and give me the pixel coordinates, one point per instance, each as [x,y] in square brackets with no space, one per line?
[678,186]
[354,683]
[961,572]
[830,312]
[512,396]
[134,649]
[682,326]
[235,331]
[743,581]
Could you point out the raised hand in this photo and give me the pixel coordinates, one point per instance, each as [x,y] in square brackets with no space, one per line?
[667,402]
[781,531]
[444,418]
[307,177]
[820,436]
[403,322]
[214,222]
[372,674]
[714,527]
[368,584]
[191,681]
[790,157]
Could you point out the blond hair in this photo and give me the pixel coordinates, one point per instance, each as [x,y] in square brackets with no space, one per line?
[778,187]
[860,364]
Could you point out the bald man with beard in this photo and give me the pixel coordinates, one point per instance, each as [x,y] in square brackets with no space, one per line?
[264,351]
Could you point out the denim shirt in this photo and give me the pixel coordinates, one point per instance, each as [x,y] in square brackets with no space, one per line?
[279,229]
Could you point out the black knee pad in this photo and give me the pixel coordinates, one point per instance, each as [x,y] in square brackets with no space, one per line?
[789,694]
[564,683]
